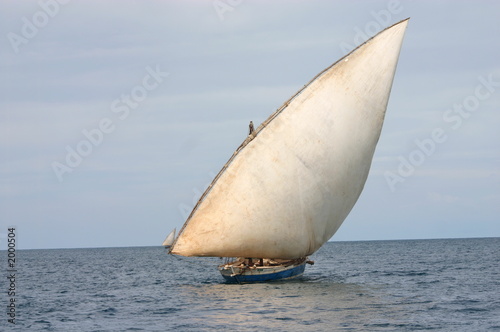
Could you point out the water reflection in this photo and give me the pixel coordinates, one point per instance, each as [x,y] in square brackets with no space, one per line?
[321,305]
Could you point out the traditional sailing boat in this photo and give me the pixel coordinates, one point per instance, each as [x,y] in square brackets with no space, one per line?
[169,240]
[289,186]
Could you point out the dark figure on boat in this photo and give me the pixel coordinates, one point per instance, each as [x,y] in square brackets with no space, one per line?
[250,128]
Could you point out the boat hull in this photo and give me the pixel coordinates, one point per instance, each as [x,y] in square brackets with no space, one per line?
[255,274]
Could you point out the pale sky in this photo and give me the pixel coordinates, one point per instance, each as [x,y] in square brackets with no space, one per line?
[115,116]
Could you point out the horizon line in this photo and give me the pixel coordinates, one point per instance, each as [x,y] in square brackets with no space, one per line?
[329,241]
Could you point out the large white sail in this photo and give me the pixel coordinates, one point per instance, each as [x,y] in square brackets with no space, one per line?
[291,184]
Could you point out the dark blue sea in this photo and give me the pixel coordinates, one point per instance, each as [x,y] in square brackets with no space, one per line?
[414,285]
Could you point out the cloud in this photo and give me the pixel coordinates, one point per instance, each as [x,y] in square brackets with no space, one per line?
[442,198]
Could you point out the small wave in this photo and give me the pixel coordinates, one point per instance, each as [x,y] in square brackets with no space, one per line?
[427,282]
[409,273]
[109,310]
[165,311]
[105,296]
[472,310]
[263,312]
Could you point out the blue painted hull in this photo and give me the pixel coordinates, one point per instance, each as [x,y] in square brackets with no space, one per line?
[260,275]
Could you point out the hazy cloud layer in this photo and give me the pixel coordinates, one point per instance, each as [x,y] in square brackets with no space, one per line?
[171,87]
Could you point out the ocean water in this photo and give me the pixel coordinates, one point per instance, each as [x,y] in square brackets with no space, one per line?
[440,285]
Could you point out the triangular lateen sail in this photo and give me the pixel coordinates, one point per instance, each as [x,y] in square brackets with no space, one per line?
[169,240]
[291,184]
